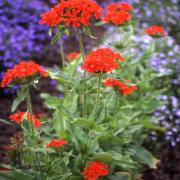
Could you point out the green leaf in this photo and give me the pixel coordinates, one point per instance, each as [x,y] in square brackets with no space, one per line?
[56,73]
[25,124]
[51,102]
[134,128]
[66,31]
[72,67]
[99,23]
[88,124]
[121,176]
[5,121]
[94,145]
[60,124]
[55,38]
[11,175]
[103,156]
[148,53]
[21,95]
[58,163]
[144,156]
[150,125]
[66,176]
[87,31]
[79,137]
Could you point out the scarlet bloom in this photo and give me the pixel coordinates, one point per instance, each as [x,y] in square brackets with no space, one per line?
[74,13]
[51,18]
[72,55]
[22,70]
[156,31]
[101,60]
[56,143]
[18,117]
[124,88]
[118,14]
[122,6]
[95,170]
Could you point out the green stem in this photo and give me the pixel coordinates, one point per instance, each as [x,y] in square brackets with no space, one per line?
[94,110]
[116,103]
[29,105]
[97,96]
[61,51]
[80,41]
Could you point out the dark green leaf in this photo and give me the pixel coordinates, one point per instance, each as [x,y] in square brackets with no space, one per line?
[11,175]
[103,156]
[144,156]
[89,124]
[121,176]
[87,31]
[5,121]
[21,95]
[100,23]
[150,125]
[55,38]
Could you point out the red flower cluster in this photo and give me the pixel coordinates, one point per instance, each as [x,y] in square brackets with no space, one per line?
[95,170]
[74,13]
[51,18]
[122,87]
[18,117]
[101,60]
[156,31]
[118,14]
[56,143]
[21,70]
[72,55]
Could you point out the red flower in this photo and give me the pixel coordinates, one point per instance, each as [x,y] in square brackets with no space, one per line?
[18,117]
[124,88]
[118,14]
[22,70]
[101,60]
[123,6]
[72,55]
[74,13]
[156,31]
[56,143]
[51,18]
[95,170]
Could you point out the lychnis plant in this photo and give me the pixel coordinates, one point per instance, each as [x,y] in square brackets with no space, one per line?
[91,134]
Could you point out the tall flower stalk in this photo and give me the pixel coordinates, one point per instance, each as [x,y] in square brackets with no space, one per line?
[60,29]
[93,115]
[29,108]
[29,105]
[81,46]
[62,52]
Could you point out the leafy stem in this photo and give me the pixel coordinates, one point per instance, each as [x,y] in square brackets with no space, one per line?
[80,41]
[29,105]
[94,110]
[97,95]
[61,51]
